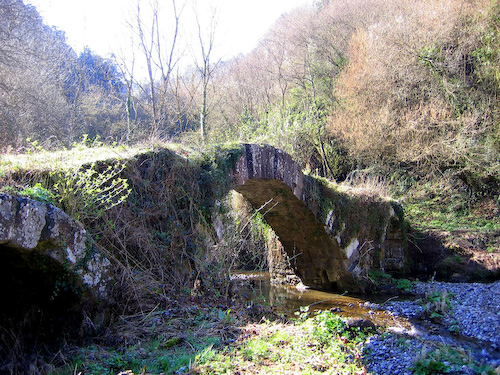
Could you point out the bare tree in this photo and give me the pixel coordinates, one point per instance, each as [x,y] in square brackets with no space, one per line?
[204,65]
[158,45]
[127,72]
[34,64]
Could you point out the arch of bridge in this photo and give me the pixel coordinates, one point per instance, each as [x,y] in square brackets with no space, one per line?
[264,174]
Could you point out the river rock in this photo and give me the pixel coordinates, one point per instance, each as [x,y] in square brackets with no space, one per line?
[28,224]
[361,324]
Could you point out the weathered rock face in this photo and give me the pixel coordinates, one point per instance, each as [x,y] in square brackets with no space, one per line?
[332,239]
[267,162]
[53,283]
[29,226]
[370,233]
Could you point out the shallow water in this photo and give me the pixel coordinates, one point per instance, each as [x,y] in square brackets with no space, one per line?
[257,287]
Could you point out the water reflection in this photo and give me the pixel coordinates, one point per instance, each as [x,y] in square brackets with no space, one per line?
[256,287]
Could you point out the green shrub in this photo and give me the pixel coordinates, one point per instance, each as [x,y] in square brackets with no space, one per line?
[447,360]
[327,325]
[404,285]
[437,304]
[379,277]
[39,194]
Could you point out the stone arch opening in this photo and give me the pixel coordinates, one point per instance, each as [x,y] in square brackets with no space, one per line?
[49,280]
[314,257]
[42,303]
[333,238]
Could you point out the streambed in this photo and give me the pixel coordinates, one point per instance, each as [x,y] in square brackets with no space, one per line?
[474,310]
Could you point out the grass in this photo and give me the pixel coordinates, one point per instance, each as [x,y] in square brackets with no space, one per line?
[437,305]
[318,344]
[194,338]
[467,226]
[161,342]
[444,359]
[432,207]
[209,344]
[85,152]
[64,159]
[434,214]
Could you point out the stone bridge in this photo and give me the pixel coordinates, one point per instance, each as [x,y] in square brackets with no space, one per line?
[332,238]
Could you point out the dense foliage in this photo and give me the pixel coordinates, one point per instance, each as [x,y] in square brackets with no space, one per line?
[366,91]
[363,83]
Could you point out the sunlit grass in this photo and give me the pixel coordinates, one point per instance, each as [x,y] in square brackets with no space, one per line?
[65,159]
[321,344]
[316,344]
[450,213]
[422,216]
[80,154]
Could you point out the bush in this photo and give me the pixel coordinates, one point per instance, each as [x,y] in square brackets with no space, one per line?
[39,193]
[421,102]
[89,191]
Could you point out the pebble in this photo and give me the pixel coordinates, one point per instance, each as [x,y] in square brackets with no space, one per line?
[475,310]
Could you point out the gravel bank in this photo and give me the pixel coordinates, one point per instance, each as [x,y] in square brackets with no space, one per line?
[474,307]
[473,314]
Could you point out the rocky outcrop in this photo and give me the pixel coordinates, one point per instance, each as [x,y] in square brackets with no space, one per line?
[29,226]
[55,285]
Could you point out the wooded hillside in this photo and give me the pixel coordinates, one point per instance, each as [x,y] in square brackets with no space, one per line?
[341,85]
[357,83]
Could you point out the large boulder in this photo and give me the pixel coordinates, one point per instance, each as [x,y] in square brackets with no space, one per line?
[29,226]
[54,283]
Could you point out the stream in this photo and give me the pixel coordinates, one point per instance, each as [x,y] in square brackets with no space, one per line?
[256,287]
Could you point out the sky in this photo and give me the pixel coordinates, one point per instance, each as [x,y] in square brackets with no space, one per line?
[100,24]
